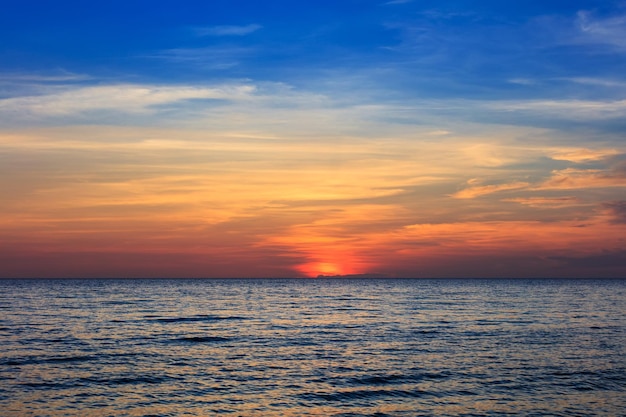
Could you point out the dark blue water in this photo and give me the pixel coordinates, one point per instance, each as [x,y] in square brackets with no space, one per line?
[324,347]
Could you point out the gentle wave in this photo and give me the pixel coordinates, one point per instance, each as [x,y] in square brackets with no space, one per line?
[35,361]
[396,379]
[203,339]
[201,318]
[343,396]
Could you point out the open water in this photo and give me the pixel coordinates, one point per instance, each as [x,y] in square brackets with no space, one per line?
[312,347]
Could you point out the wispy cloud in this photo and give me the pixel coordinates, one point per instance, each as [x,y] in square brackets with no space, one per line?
[227,30]
[124,98]
[573,178]
[609,30]
[563,109]
[602,82]
[392,2]
[59,77]
[545,202]
[583,155]
[606,259]
[480,190]
[617,210]
[563,179]
[523,81]
[212,57]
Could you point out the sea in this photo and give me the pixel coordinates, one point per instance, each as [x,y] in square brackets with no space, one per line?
[312,347]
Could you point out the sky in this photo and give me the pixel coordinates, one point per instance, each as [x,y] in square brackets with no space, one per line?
[295,139]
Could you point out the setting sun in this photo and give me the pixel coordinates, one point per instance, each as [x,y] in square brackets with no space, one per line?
[322,268]
[329,268]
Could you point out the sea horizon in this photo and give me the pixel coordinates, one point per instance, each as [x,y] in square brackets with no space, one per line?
[344,277]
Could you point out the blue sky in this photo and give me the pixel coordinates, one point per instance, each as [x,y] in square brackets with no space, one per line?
[571,49]
[397,52]
[312,137]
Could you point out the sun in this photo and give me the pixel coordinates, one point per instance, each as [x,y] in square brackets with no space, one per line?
[328,268]
[332,261]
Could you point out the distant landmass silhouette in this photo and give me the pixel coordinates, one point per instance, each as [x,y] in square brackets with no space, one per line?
[354,276]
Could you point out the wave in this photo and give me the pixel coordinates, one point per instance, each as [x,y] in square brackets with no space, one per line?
[39,360]
[201,318]
[396,379]
[91,381]
[126,380]
[203,339]
[53,360]
[343,396]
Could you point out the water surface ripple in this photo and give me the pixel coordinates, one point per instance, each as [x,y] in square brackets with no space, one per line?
[320,347]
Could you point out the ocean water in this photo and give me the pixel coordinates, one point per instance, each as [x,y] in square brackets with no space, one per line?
[312,347]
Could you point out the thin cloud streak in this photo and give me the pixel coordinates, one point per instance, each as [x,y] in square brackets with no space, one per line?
[476,191]
[610,30]
[227,30]
[123,98]
[546,202]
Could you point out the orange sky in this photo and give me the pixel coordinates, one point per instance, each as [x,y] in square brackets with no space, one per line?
[203,201]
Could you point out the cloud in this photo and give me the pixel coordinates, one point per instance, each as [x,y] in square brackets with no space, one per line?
[522,81]
[392,2]
[583,155]
[484,154]
[610,30]
[131,98]
[260,108]
[545,202]
[62,76]
[617,210]
[603,82]
[227,30]
[570,178]
[575,110]
[607,259]
[573,178]
[477,191]
[212,57]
